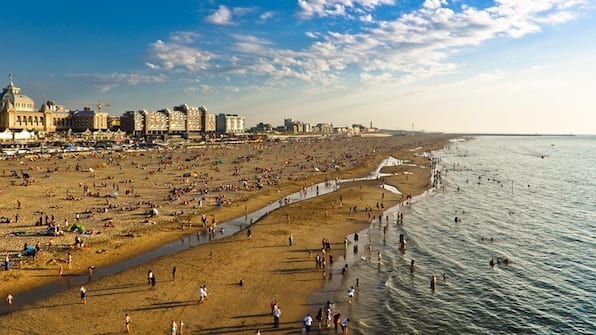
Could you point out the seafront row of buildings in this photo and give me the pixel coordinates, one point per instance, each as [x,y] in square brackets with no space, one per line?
[19,119]
[19,114]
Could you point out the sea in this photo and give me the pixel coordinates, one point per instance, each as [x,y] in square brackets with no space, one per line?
[528,203]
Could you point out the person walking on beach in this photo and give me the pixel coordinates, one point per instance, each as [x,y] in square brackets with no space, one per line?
[9,299]
[307,323]
[319,317]
[152,281]
[202,293]
[276,315]
[174,273]
[150,277]
[83,291]
[174,327]
[127,322]
[350,294]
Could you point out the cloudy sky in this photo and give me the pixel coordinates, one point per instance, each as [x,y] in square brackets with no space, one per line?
[436,65]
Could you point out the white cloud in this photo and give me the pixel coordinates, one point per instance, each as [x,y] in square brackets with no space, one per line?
[170,55]
[366,18]
[107,81]
[225,16]
[266,16]
[322,8]
[222,16]
[311,35]
[416,45]
[251,44]
[419,44]
[434,4]
[184,37]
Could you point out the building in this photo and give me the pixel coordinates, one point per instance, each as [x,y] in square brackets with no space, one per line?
[183,119]
[88,119]
[133,122]
[17,111]
[230,124]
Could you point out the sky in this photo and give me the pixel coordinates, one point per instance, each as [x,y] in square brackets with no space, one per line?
[505,66]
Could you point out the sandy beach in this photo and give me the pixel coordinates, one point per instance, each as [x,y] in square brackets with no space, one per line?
[117,194]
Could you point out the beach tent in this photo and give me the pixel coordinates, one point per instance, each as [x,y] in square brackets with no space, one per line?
[29,251]
[6,135]
[24,135]
[76,228]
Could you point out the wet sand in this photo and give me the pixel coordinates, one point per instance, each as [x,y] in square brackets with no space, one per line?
[271,270]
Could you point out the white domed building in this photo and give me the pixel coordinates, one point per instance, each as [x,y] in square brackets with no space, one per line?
[17,111]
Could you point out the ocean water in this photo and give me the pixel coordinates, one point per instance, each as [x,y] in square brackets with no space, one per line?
[531,200]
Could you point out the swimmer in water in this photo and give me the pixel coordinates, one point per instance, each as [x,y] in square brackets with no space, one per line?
[433,282]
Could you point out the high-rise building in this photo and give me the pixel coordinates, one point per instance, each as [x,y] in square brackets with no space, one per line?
[230,124]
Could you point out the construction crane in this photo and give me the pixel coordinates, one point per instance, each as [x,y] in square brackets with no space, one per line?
[97,104]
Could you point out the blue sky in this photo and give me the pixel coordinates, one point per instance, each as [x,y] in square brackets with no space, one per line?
[434,65]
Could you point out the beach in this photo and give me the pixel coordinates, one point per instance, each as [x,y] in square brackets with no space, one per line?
[130,202]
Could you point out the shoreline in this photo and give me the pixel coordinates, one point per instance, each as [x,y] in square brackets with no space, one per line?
[293,308]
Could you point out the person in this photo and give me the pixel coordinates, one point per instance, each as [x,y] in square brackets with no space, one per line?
[202,293]
[344,326]
[9,299]
[308,323]
[181,326]
[127,322]
[319,317]
[258,332]
[337,321]
[412,266]
[433,282]
[291,240]
[90,270]
[83,291]
[152,281]
[350,294]
[6,263]
[248,233]
[276,315]
[174,327]
[174,273]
